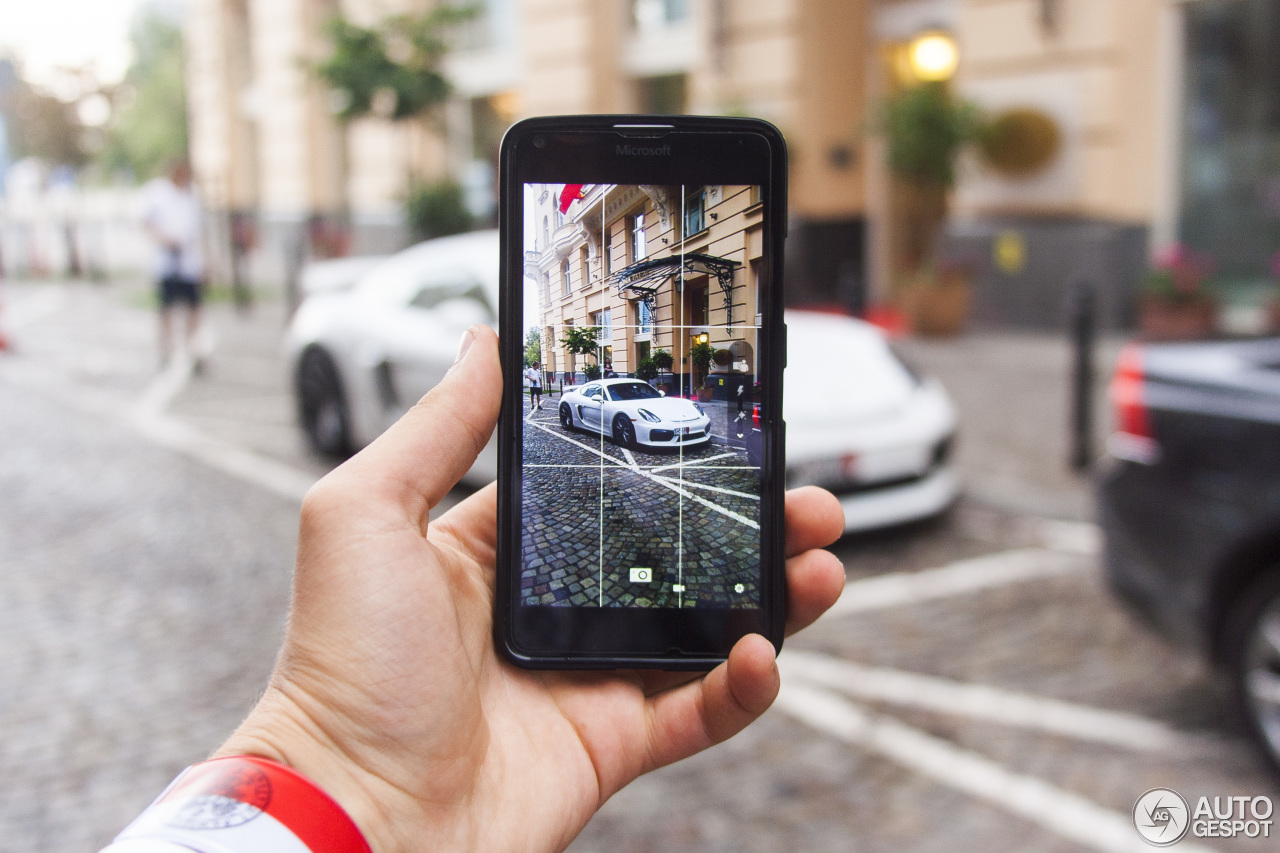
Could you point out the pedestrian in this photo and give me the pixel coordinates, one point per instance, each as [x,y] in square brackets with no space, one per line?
[392,723]
[534,375]
[172,217]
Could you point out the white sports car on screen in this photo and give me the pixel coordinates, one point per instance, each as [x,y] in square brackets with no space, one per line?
[632,413]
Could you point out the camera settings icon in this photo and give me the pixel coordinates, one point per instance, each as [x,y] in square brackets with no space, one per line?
[1161,817]
[641,575]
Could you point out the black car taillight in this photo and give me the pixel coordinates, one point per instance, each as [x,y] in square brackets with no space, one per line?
[1133,438]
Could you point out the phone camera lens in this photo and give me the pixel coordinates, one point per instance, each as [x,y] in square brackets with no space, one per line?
[539,142]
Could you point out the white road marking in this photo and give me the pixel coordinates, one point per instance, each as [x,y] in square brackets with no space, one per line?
[165,387]
[692,485]
[959,578]
[262,471]
[979,701]
[1057,810]
[696,463]
[166,431]
[648,475]
[631,460]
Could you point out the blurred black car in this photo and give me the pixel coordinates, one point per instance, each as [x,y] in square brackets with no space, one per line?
[1190,511]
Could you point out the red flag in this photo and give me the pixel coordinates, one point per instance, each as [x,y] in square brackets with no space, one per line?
[568,195]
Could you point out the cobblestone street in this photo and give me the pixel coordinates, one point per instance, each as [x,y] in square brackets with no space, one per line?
[977,687]
[690,516]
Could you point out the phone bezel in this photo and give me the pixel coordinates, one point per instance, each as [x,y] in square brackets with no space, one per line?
[583,149]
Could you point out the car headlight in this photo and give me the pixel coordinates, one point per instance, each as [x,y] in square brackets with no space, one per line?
[649,416]
[699,408]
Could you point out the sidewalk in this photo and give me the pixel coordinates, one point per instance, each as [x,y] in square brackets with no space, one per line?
[1012,391]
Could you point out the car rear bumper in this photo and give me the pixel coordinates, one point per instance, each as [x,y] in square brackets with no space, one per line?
[899,503]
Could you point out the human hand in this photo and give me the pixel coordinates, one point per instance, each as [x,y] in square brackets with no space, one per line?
[390,695]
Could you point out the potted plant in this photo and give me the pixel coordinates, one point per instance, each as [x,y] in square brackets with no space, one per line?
[938,299]
[663,360]
[591,372]
[646,369]
[1175,303]
[925,129]
[700,357]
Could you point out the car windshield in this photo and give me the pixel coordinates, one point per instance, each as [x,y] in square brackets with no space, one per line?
[633,391]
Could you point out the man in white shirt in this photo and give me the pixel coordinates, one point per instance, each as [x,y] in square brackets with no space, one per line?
[172,216]
[534,375]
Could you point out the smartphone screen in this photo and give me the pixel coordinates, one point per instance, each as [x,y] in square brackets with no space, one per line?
[641,453]
[640,310]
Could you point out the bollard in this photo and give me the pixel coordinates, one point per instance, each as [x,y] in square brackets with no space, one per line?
[1083,319]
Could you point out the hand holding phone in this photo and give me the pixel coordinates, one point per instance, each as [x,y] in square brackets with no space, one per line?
[390,695]
[640,505]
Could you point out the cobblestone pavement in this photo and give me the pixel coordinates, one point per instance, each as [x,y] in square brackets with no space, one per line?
[594,511]
[976,689]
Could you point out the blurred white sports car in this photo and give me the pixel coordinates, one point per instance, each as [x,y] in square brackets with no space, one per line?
[372,337]
[863,424]
[633,413]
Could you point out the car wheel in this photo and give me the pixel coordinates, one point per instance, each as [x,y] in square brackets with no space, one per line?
[321,404]
[1253,656]
[624,432]
[566,417]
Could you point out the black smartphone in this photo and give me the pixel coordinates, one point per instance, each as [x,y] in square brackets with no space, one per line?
[640,454]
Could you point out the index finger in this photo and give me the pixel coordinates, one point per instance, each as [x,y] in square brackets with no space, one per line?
[814,519]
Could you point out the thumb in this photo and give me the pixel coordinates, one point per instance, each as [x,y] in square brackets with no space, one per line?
[424,454]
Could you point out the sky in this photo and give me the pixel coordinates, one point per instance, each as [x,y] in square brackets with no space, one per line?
[45,35]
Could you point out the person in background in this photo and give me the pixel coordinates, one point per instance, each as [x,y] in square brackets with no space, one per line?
[534,374]
[392,724]
[172,217]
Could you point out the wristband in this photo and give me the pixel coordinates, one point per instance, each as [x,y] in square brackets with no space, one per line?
[247,804]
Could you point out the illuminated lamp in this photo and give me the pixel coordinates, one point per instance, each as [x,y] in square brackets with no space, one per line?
[933,56]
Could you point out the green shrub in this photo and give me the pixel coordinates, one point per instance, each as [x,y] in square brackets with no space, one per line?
[438,210]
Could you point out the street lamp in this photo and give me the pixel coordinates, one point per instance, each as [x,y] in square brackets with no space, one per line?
[933,56]
[703,338]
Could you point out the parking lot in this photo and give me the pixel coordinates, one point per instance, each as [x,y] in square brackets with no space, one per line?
[977,688]
[593,511]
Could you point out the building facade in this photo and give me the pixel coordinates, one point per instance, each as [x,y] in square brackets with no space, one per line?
[1165,111]
[652,269]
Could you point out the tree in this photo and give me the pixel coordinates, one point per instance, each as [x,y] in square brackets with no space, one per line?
[150,125]
[393,68]
[532,348]
[582,340]
[662,360]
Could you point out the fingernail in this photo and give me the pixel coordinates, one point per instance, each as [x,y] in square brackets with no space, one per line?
[468,338]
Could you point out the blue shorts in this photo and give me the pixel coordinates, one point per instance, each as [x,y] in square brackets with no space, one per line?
[176,288]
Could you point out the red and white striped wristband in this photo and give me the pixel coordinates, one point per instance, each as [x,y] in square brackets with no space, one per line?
[242,804]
